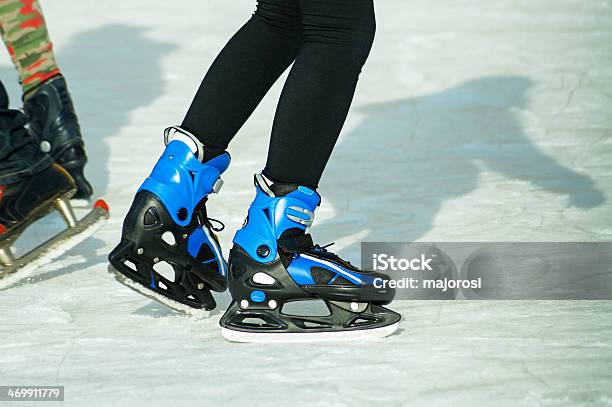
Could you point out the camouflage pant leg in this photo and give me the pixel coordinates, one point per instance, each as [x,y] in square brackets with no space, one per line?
[25,35]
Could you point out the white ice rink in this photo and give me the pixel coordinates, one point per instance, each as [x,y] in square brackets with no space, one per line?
[474,120]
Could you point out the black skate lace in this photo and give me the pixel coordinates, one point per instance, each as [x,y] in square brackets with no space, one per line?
[322,251]
[209,223]
[323,248]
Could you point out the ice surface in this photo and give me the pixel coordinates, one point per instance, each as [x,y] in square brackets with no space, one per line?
[473,121]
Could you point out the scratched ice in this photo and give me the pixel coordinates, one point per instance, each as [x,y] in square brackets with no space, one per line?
[474,121]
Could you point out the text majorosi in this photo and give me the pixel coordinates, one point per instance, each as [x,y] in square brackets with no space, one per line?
[385,262]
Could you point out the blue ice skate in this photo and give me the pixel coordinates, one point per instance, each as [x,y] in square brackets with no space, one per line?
[168,249]
[274,262]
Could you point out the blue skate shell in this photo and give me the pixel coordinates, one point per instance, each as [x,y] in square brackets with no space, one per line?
[267,220]
[270,216]
[180,180]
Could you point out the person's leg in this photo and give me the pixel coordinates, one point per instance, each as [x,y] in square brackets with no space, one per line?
[46,100]
[167,224]
[25,35]
[244,71]
[316,98]
[274,260]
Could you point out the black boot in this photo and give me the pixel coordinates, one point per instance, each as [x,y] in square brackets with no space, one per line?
[30,183]
[52,118]
[4,99]
[31,186]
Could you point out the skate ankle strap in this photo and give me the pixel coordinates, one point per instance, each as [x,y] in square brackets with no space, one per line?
[300,215]
[180,180]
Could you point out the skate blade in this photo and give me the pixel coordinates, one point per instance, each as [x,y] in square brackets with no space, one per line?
[80,203]
[335,336]
[181,309]
[26,265]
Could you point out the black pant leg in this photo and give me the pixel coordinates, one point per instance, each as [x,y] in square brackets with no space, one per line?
[244,71]
[316,98]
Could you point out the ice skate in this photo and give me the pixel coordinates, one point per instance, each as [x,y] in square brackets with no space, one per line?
[274,263]
[168,250]
[31,186]
[52,118]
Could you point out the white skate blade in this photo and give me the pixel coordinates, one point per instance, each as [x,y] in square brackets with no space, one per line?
[46,253]
[181,309]
[270,337]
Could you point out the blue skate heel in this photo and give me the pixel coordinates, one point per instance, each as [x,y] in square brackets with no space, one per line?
[168,250]
[274,262]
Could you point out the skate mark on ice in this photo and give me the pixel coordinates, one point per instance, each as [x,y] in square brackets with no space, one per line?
[84,263]
[154,309]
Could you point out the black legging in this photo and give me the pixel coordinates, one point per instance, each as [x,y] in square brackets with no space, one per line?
[329,40]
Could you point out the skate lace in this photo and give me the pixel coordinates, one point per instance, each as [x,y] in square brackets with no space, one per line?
[219,228]
[323,252]
[323,249]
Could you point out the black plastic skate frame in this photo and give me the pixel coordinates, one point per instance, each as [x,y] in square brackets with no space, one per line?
[142,246]
[249,317]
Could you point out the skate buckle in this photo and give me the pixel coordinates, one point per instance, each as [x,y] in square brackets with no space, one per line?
[305,217]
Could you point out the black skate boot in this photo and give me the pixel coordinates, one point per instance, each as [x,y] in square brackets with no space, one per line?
[32,185]
[52,118]
[168,250]
[274,262]
[4,99]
